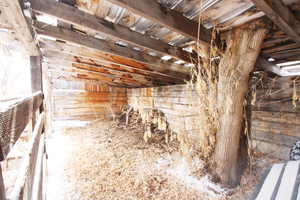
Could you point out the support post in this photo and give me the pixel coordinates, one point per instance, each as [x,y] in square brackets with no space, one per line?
[243,47]
[36,73]
[48,103]
[36,79]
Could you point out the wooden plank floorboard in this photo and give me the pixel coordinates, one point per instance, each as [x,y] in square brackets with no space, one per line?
[288,181]
[268,188]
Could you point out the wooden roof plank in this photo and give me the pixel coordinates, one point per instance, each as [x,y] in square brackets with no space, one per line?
[87,21]
[75,76]
[269,185]
[51,49]
[288,182]
[127,77]
[280,15]
[145,77]
[81,71]
[152,63]
[169,18]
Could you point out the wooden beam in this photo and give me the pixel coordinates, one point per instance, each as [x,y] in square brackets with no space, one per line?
[169,18]
[267,66]
[281,47]
[82,19]
[14,120]
[156,63]
[12,11]
[280,15]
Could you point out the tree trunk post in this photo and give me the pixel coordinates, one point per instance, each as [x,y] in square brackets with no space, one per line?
[243,48]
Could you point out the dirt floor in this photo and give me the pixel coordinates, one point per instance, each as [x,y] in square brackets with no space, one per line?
[103,161]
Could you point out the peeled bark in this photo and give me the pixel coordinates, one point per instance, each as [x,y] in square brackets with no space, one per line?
[243,47]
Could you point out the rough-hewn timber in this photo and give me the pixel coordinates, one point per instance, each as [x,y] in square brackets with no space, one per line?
[243,47]
[281,16]
[168,18]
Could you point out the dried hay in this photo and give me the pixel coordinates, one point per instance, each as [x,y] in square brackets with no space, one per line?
[205,81]
[108,162]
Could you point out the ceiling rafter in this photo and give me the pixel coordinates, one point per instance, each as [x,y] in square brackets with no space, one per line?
[169,18]
[280,15]
[72,15]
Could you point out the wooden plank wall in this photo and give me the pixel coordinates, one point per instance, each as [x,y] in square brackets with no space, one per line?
[86,101]
[275,119]
[178,103]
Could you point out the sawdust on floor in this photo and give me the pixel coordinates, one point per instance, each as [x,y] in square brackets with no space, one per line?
[102,161]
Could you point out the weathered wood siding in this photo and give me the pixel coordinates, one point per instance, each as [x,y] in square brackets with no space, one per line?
[177,102]
[275,119]
[86,101]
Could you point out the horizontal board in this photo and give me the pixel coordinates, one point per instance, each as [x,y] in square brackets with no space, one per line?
[120,92]
[279,139]
[273,150]
[277,106]
[178,103]
[280,117]
[83,117]
[276,128]
[90,102]
[273,94]
[75,111]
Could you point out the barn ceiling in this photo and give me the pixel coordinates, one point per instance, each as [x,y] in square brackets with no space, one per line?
[129,43]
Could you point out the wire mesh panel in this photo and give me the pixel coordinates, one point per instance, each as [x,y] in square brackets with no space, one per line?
[14,119]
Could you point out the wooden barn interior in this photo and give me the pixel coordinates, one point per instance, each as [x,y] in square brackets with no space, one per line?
[153,99]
